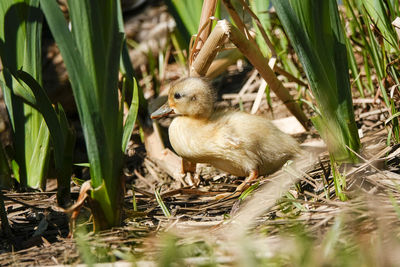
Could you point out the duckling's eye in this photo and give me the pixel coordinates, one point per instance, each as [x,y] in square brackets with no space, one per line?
[177,95]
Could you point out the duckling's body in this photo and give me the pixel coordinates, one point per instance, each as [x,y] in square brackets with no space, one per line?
[233,141]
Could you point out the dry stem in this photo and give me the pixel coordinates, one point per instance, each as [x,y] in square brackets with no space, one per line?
[254,55]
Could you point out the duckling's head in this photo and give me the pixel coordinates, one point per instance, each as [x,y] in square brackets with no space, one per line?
[193,97]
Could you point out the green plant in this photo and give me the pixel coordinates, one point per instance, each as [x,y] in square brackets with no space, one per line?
[187,16]
[33,118]
[20,48]
[373,33]
[386,46]
[91,53]
[315,31]
[62,136]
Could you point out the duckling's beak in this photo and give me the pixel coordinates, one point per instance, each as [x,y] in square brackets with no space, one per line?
[163,111]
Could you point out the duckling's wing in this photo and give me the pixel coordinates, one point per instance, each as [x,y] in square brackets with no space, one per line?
[229,132]
[232,141]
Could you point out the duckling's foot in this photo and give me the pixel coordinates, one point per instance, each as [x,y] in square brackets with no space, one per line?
[240,189]
[246,183]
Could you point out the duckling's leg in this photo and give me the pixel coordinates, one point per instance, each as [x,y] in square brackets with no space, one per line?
[188,166]
[246,183]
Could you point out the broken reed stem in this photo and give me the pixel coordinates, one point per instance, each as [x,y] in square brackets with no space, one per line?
[256,58]
[204,30]
[207,11]
[208,52]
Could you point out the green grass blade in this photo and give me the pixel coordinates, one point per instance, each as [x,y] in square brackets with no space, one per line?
[131,118]
[43,104]
[161,203]
[127,70]
[379,13]
[353,67]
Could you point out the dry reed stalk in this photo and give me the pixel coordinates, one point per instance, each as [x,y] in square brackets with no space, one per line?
[245,31]
[207,11]
[260,94]
[248,84]
[256,58]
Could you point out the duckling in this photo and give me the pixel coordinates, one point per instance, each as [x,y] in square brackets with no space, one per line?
[233,141]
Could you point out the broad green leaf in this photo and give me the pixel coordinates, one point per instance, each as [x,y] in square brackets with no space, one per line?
[91,53]
[315,31]
[187,16]
[62,137]
[20,48]
[82,86]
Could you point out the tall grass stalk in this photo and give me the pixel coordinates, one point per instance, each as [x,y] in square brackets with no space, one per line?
[91,53]
[316,33]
